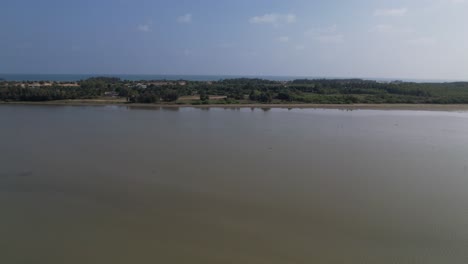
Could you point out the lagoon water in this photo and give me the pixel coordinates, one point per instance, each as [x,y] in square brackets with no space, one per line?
[148,77]
[134,77]
[111,184]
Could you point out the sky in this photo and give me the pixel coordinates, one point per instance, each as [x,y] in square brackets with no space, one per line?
[417,39]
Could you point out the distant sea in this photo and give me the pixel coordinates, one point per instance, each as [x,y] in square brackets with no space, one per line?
[145,77]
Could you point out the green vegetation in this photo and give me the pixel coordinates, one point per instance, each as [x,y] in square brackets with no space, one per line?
[204,96]
[242,91]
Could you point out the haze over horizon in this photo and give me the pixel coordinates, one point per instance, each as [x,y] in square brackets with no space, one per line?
[422,39]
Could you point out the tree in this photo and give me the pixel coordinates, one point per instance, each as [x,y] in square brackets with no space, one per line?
[254,94]
[265,97]
[204,96]
[236,94]
[284,96]
[170,95]
[147,98]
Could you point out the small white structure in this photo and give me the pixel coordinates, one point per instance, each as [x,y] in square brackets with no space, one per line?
[141,86]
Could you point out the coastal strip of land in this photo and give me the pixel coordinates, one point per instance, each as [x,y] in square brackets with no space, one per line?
[102,102]
[242,92]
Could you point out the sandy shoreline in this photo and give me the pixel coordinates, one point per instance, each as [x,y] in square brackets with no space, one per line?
[416,107]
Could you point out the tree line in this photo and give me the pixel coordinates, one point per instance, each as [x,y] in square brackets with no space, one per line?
[244,90]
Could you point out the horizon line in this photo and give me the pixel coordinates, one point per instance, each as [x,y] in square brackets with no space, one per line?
[247,75]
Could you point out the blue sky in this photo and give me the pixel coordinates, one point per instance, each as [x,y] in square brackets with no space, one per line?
[425,39]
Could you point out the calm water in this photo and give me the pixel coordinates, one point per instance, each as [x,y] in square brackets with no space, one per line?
[118,185]
[133,77]
[140,77]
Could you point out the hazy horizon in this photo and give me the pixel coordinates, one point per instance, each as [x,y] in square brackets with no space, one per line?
[192,77]
[359,39]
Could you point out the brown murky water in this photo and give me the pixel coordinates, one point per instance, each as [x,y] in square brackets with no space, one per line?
[118,185]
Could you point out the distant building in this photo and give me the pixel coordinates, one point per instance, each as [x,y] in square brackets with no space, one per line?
[141,86]
[69,84]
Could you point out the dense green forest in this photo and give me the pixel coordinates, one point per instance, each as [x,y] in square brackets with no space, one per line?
[244,90]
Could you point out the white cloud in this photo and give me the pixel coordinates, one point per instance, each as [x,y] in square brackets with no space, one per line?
[389,29]
[283,39]
[326,35]
[187,18]
[299,47]
[144,28]
[458,1]
[424,41]
[290,18]
[274,19]
[335,38]
[396,12]
[382,28]
[324,30]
